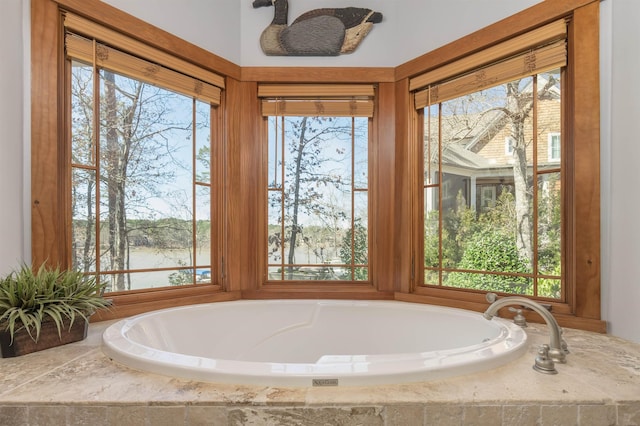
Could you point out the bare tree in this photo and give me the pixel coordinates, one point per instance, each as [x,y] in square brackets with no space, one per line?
[305,176]
[518,109]
[138,146]
[82,152]
[311,146]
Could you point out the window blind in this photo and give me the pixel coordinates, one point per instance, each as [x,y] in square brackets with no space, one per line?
[337,100]
[86,40]
[538,60]
[540,50]
[106,57]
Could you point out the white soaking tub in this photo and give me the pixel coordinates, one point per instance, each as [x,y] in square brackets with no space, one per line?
[313,342]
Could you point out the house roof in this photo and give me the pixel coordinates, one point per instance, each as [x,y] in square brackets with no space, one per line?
[494,122]
[457,155]
[465,131]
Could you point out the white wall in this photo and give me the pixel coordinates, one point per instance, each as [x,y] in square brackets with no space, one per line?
[14,219]
[409,29]
[429,24]
[620,109]
[213,25]
[232,28]
[621,230]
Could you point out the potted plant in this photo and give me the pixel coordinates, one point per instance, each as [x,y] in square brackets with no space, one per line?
[46,308]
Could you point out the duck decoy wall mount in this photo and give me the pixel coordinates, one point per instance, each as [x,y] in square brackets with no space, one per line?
[319,32]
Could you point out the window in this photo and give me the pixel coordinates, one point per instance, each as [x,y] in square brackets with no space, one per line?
[488,198]
[141,186]
[509,143]
[553,148]
[318,186]
[503,233]
[494,245]
[401,184]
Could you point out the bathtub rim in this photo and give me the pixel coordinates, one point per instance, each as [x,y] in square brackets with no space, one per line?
[374,369]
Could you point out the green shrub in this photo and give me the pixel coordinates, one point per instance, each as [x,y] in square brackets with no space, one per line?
[360,250]
[489,250]
[548,287]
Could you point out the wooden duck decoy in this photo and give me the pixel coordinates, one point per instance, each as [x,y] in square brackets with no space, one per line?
[319,32]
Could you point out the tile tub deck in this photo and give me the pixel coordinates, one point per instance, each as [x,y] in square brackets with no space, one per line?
[77,384]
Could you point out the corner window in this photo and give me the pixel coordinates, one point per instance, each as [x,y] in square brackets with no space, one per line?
[142,183]
[492,201]
[500,229]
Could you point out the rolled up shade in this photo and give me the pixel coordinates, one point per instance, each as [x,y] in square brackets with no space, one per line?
[539,50]
[554,31]
[106,57]
[536,61]
[335,91]
[86,40]
[336,100]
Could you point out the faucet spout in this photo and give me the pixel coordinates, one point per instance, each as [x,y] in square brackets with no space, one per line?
[556,350]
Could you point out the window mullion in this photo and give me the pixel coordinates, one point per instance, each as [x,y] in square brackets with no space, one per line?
[534,187]
[282,192]
[194,224]
[439,186]
[353,203]
[97,162]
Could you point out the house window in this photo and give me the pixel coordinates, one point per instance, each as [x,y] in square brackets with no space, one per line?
[140,143]
[487,198]
[318,187]
[509,143]
[553,148]
[510,239]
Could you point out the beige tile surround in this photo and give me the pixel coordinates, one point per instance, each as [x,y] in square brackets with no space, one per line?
[77,385]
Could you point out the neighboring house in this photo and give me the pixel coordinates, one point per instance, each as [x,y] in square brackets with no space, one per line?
[477,152]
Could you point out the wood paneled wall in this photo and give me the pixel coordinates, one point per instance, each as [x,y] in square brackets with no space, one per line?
[584,216]
[47,176]
[246,207]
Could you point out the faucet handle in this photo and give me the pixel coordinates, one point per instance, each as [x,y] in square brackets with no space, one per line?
[518,319]
[563,343]
[543,363]
[491,297]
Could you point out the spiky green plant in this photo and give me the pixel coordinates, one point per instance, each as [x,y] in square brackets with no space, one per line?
[28,297]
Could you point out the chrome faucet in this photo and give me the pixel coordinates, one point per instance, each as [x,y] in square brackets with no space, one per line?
[557,347]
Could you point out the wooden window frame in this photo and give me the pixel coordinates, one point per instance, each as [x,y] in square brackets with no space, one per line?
[393,142]
[50,166]
[534,275]
[293,86]
[581,254]
[327,283]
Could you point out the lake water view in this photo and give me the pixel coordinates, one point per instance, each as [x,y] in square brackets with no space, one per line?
[148,258]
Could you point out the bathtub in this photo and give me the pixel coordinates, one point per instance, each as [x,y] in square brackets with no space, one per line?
[313,342]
